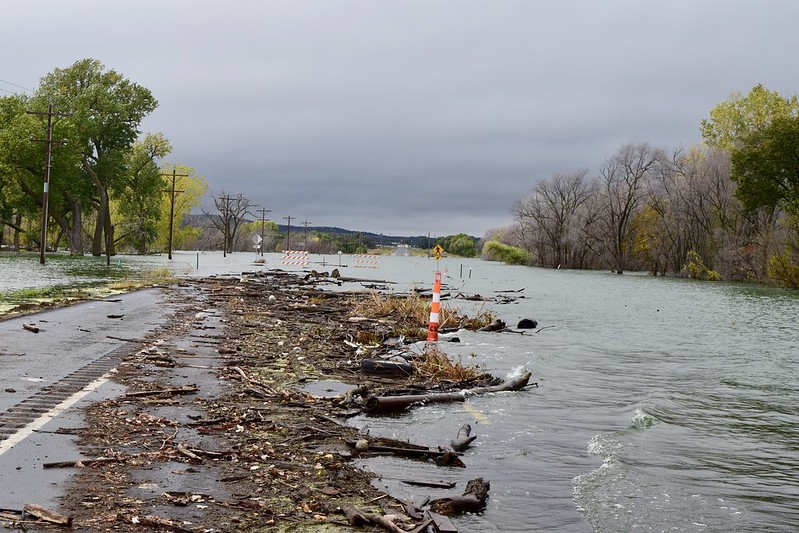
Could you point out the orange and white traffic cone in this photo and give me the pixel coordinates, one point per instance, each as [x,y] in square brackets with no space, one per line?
[435,309]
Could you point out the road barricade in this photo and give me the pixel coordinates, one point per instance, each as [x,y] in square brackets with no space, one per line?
[295,257]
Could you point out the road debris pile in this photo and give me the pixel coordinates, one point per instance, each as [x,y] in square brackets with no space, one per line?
[234,415]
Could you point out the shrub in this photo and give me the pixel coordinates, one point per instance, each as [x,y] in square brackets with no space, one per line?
[511,255]
[782,269]
[694,268]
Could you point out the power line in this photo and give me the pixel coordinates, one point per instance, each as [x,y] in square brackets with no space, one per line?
[14,85]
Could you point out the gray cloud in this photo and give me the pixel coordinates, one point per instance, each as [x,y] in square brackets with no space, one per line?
[417,116]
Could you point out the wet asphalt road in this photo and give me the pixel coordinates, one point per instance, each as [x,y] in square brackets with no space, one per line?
[70,339]
[41,371]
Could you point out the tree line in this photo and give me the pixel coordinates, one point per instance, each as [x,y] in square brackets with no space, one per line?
[108,185]
[727,209]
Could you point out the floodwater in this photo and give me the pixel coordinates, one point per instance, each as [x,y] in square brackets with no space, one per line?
[663,405]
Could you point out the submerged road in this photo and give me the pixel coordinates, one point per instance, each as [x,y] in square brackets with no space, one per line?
[40,371]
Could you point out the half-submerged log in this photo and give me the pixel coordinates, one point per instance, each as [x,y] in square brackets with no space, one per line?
[387,367]
[386,404]
[463,440]
[512,385]
[473,499]
[440,457]
[496,325]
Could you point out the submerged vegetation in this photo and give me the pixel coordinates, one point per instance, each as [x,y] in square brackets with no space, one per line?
[409,315]
[435,365]
[511,255]
[34,299]
[726,209]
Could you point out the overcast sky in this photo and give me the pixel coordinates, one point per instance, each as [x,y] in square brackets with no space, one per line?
[410,117]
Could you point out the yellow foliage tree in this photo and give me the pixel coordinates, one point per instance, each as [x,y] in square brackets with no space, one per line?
[191,189]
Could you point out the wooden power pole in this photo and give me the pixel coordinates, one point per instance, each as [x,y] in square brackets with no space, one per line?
[173,193]
[48,158]
[263,212]
[288,232]
[305,247]
[225,208]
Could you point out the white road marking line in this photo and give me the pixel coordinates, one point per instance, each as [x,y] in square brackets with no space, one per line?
[56,411]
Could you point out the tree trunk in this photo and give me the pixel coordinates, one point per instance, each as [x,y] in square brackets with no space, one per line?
[97,241]
[75,235]
[18,222]
[109,229]
[103,225]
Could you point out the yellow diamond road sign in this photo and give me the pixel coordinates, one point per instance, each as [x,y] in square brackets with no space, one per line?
[437,251]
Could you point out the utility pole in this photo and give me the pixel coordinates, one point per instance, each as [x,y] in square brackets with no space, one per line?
[306,235]
[48,158]
[172,207]
[263,212]
[288,232]
[225,208]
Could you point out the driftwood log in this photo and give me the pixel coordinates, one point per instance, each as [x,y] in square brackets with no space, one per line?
[463,440]
[512,385]
[361,518]
[387,367]
[186,389]
[440,457]
[473,499]
[385,404]
[47,515]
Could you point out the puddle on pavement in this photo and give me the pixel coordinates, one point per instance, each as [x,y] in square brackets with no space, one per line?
[327,388]
[198,487]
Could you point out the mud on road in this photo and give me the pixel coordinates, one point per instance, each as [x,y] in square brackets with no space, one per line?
[218,430]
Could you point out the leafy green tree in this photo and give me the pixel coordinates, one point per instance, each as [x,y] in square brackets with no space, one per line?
[766,166]
[739,116]
[139,192]
[107,110]
[19,159]
[22,167]
[463,245]
[192,188]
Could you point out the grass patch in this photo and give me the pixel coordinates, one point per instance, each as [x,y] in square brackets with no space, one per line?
[30,300]
[412,312]
[148,278]
[436,365]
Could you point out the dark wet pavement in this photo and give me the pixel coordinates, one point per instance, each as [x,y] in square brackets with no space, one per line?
[71,338]
[50,377]
[40,374]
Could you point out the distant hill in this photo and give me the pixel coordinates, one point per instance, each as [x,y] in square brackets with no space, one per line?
[418,241]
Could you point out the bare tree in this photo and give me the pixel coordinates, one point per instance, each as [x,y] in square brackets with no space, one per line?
[549,214]
[623,178]
[232,212]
